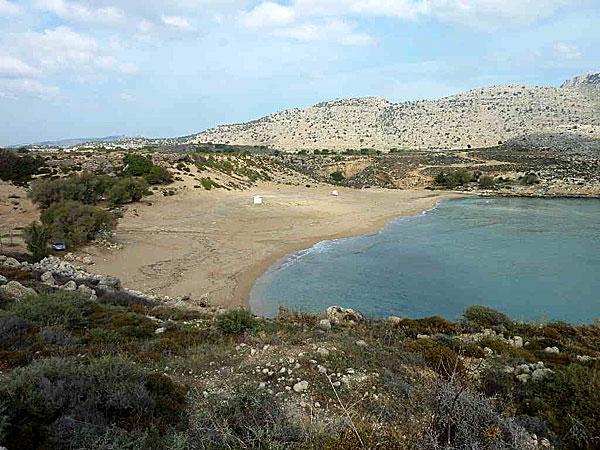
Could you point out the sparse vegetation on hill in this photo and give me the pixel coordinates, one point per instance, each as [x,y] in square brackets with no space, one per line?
[84,372]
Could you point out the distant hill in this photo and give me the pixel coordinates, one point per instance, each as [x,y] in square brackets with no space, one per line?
[65,143]
[478,118]
[591,79]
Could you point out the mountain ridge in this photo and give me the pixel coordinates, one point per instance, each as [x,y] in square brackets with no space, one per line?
[479,117]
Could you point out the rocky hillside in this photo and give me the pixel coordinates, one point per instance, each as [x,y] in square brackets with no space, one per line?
[591,79]
[479,118]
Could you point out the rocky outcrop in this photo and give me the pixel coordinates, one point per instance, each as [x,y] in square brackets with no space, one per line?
[15,291]
[591,79]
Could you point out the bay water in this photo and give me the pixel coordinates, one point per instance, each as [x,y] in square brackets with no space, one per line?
[533,259]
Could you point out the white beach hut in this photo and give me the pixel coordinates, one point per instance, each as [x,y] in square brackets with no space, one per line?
[258,200]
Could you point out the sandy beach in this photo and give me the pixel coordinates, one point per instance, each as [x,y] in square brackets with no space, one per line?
[218,243]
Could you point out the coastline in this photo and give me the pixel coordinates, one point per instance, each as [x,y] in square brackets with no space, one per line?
[251,276]
[216,245]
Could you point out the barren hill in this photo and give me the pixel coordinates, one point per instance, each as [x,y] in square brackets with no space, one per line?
[479,118]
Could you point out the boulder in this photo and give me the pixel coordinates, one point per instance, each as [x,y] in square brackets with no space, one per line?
[3,279]
[87,260]
[48,278]
[323,352]
[87,291]
[325,325]
[518,342]
[551,350]
[361,344]
[338,315]
[69,286]
[540,374]
[13,290]
[523,378]
[301,386]
[11,262]
[109,283]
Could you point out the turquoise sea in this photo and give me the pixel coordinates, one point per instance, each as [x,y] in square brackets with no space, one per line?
[534,259]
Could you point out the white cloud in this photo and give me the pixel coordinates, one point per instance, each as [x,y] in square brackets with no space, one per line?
[108,15]
[331,31]
[176,22]
[63,50]
[267,15]
[126,97]
[481,14]
[15,88]
[10,66]
[7,7]
[567,51]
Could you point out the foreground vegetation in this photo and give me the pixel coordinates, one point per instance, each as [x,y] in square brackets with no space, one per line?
[123,372]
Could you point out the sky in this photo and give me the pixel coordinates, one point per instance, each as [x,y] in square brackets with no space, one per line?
[160,68]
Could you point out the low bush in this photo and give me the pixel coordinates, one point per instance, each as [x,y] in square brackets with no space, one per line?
[337,176]
[127,190]
[485,316]
[570,402]
[18,168]
[441,358]
[77,223]
[158,175]
[236,321]
[36,236]
[60,309]
[136,165]
[246,419]
[53,401]
[463,420]
[486,181]
[453,178]
[87,188]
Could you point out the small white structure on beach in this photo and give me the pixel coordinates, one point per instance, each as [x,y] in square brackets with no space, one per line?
[336,193]
[258,200]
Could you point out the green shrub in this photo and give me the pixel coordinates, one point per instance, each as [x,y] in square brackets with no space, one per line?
[77,223]
[36,236]
[453,178]
[52,402]
[127,190]
[236,321]
[87,188]
[59,309]
[486,181]
[337,176]
[158,175]
[570,402]
[485,316]
[247,419]
[18,168]
[136,165]
[209,183]
[530,178]
[440,358]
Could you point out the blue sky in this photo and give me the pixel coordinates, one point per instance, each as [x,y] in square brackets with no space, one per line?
[90,68]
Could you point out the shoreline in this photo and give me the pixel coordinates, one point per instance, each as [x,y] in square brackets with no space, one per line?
[249,279]
[216,245]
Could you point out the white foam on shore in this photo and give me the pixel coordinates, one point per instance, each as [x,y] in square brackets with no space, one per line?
[256,298]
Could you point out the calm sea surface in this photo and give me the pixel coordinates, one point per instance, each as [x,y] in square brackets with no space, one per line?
[534,259]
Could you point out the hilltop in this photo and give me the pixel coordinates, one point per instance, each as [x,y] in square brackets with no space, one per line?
[483,117]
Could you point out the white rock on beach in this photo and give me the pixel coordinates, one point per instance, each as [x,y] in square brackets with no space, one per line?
[301,386]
